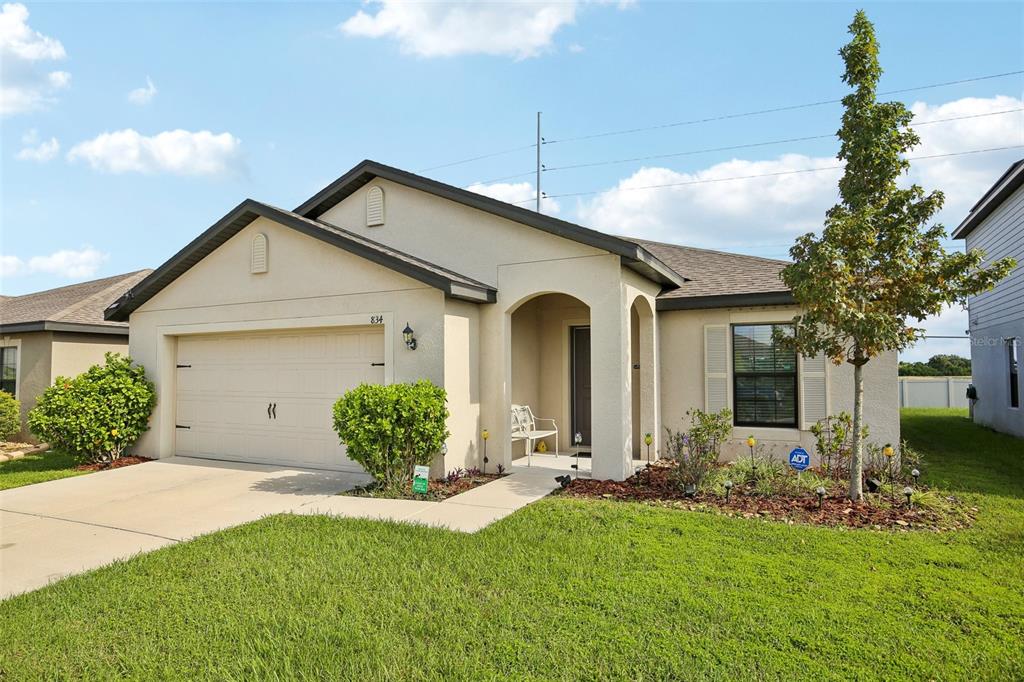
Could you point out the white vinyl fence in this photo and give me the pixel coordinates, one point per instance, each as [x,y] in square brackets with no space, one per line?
[934,391]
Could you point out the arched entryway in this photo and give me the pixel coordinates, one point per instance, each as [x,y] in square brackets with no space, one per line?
[643,379]
[551,371]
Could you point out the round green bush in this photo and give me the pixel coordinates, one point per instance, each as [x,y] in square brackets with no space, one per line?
[97,415]
[10,415]
[388,430]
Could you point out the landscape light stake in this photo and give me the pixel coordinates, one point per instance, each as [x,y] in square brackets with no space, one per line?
[728,489]
[577,440]
[820,492]
[916,474]
[648,439]
[751,442]
[485,434]
[907,492]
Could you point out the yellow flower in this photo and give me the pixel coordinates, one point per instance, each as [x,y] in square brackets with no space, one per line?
[113,432]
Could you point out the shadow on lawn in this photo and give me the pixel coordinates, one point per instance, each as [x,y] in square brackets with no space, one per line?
[961,456]
[52,460]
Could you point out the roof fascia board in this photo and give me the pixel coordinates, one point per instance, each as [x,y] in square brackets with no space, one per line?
[726,301]
[1003,188]
[51,326]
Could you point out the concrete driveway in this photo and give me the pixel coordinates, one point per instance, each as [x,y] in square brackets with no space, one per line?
[51,530]
[58,528]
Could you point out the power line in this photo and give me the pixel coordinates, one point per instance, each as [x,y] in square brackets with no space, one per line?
[766,175]
[750,145]
[757,144]
[477,158]
[759,112]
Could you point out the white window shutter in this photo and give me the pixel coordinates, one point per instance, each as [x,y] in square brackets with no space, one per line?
[815,390]
[258,261]
[374,206]
[716,367]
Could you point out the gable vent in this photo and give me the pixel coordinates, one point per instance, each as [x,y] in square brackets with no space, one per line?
[258,262]
[374,206]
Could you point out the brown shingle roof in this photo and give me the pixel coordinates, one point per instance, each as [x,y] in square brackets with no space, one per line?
[67,307]
[719,279]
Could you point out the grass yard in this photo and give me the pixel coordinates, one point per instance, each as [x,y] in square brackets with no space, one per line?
[45,466]
[564,589]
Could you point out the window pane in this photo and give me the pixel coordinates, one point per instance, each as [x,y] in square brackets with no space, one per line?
[764,384]
[8,369]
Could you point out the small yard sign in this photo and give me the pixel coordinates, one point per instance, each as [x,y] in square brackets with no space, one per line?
[799,459]
[420,476]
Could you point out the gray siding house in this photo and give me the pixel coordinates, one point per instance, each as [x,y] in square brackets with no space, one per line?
[996,226]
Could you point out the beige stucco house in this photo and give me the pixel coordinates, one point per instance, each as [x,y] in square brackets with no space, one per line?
[58,332]
[257,326]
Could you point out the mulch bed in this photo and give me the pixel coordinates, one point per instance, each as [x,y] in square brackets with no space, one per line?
[654,485]
[125,461]
[437,490]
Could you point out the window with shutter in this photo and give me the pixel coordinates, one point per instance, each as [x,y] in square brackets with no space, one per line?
[764,377]
[716,367]
[815,385]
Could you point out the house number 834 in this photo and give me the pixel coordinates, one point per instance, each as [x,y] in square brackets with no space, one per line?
[376,319]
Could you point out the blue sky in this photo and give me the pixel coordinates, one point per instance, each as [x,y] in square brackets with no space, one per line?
[129,128]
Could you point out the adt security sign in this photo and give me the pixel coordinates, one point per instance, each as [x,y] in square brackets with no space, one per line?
[799,459]
[419,479]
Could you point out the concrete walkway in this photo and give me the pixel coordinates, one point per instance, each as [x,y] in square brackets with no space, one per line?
[59,528]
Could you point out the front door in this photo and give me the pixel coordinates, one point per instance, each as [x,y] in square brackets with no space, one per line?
[580,381]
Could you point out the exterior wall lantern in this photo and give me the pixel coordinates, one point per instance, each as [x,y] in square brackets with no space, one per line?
[407,336]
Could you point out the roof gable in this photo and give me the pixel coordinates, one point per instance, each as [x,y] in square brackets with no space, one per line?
[453,284]
[633,255]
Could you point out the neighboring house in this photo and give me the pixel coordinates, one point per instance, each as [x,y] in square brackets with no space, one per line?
[256,327]
[60,332]
[996,226]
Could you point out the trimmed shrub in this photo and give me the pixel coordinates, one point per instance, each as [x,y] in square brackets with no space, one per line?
[10,415]
[97,415]
[388,430]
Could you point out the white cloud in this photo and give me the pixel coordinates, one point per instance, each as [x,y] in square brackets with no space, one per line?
[519,193]
[35,150]
[763,215]
[516,29]
[143,95]
[25,85]
[66,263]
[180,152]
[576,48]
[773,210]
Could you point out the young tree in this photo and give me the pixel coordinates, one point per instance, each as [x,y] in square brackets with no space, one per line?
[877,262]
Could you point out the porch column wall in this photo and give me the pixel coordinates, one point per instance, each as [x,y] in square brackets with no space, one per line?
[610,377]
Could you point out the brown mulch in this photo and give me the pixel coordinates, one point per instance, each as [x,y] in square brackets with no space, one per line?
[125,461]
[654,485]
[437,489]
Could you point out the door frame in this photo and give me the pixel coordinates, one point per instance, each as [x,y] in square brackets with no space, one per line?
[572,382]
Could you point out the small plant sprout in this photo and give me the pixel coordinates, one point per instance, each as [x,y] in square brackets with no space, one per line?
[728,489]
[820,492]
[907,492]
[916,474]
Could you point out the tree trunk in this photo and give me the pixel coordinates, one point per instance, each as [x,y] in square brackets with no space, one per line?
[857,456]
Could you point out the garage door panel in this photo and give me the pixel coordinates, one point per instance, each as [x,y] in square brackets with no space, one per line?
[223,396]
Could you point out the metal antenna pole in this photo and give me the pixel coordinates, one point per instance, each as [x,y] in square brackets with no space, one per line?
[538,162]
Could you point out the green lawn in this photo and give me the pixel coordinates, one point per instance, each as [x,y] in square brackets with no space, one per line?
[47,466]
[564,589]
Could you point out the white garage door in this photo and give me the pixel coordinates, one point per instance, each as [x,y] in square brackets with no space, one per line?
[267,397]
